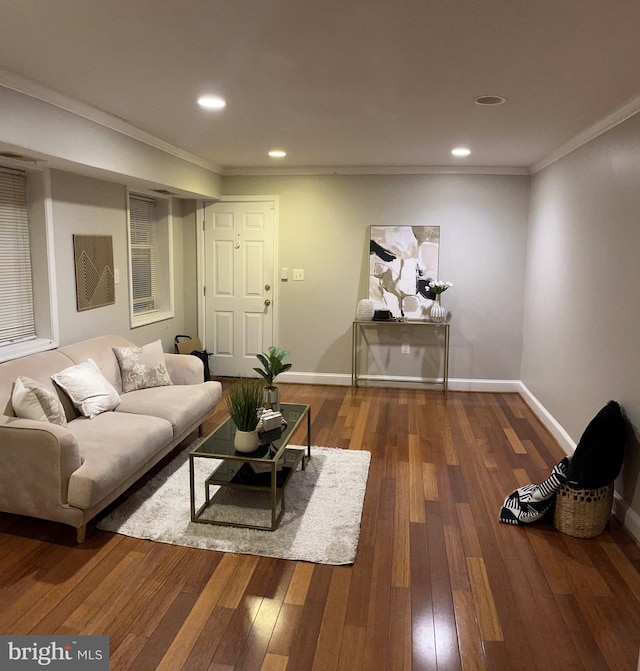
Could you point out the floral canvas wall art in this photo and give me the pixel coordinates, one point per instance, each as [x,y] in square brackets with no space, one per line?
[402,262]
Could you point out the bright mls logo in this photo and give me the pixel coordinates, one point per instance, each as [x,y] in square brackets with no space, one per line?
[86,653]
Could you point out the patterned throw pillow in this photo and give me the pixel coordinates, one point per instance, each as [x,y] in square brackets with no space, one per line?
[88,389]
[142,367]
[32,400]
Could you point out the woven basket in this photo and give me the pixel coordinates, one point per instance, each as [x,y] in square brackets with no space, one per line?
[582,513]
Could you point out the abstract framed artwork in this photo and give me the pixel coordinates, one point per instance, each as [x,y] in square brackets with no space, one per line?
[402,262]
[95,285]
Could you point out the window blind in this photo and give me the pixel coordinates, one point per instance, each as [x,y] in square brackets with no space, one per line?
[16,285]
[144,253]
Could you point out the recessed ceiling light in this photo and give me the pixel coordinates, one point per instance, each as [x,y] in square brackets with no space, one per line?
[277,153]
[212,102]
[489,100]
[461,151]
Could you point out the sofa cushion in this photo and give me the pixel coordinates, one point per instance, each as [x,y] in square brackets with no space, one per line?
[142,367]
[113,446]
[89,390]
[182,405]
[32,400]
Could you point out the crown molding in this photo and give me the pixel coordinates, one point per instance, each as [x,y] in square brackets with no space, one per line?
[618,116]
[32,89]
[373,170]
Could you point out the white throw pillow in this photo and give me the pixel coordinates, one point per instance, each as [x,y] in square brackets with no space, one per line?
[88,389]
[142,367]
[32,400]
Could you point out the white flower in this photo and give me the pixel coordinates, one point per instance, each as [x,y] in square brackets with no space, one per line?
[437,286]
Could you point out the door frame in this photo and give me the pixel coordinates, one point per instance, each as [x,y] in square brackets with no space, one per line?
[201,262]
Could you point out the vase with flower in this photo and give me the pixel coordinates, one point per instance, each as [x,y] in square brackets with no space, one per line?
[437,287]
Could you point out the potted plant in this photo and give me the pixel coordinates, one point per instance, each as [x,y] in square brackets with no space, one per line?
[272,366]
[242,402]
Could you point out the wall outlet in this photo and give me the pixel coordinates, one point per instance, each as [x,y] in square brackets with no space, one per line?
[298,274]
[406,348]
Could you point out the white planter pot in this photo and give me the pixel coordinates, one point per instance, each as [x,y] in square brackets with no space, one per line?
[271,398]
[246,441]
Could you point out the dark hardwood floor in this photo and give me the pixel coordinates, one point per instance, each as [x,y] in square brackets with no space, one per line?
[438,582]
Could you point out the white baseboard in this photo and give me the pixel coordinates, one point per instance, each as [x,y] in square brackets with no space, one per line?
[455,384]
[335,379]
[497,386]
[628,517]
[548,420]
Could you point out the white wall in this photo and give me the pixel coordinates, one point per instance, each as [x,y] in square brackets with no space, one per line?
[82,205]
[324,229]
[582,320]
[75,143]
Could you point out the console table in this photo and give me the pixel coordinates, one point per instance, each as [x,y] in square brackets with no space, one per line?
[356,333]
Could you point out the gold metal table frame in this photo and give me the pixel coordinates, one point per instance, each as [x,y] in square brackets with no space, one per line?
[356,333]
[218,445]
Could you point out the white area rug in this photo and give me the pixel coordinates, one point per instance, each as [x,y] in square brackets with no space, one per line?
[321,522]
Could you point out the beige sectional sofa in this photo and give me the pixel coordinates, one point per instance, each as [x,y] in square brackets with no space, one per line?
[69,474]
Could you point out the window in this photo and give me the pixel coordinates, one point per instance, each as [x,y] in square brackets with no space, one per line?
[28,307]
[17,322]
[144,254]
[150,263]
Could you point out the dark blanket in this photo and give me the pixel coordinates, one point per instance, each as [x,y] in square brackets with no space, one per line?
[598,457]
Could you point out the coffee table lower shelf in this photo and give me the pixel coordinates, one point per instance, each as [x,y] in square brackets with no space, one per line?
[237,474]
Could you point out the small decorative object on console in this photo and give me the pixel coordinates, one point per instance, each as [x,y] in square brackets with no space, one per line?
[366,308]
[382,316]
[437,313]
[437,287]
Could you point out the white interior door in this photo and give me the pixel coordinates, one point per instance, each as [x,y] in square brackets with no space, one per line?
[239,284]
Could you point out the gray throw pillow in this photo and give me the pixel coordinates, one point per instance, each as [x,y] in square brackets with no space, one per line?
[142,367]
[32,400]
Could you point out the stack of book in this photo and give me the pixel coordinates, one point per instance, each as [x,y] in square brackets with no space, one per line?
[269,420]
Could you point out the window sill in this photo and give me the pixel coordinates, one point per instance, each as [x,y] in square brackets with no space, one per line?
[150,318]
[9,352]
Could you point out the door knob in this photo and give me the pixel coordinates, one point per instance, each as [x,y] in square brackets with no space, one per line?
[267,287]
[267,302]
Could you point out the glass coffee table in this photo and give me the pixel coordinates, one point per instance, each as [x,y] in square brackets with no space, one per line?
[267,470]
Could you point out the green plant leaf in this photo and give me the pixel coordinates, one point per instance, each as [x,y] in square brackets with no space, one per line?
[261,372]
[272,363]
[242,402]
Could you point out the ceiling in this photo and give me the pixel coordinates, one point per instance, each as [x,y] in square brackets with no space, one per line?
[337,83]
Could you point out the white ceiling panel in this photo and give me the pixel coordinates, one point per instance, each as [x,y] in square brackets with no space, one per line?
[337,83]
